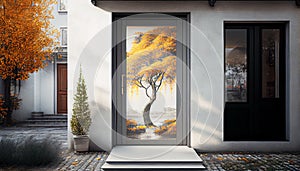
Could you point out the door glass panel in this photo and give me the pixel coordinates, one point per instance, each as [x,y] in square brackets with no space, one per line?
[151,82]
[236,65]
[270,63]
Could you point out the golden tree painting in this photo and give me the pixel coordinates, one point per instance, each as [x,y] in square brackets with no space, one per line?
[27,42]
[151,63]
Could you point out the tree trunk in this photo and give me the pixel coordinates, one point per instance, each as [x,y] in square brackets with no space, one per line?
[146,112]
[7,101]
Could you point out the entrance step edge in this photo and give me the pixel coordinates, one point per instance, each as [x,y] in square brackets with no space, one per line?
[153,166]
[153,154]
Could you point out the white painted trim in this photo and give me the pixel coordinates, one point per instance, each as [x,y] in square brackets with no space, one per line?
[37,92]
[61,28]
[55,87]
[58,7]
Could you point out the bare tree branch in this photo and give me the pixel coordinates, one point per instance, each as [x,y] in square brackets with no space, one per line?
[156,77]
[146,90]
[160,82]
[152,81]
[140,84]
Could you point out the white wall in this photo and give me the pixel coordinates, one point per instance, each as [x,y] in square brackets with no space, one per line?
[37,94]
[27,103]
[48,93]
[90,45]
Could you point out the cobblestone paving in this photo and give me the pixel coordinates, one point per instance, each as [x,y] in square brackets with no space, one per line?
[252,161]
[212,161]
[83,161]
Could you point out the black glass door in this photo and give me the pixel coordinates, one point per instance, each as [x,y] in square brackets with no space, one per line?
[254,82]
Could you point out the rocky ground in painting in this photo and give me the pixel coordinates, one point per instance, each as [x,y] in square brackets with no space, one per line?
[159,119]
[212,161]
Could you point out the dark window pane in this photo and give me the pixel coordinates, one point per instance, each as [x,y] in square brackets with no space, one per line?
[64,41]
[236,65]
[270,63]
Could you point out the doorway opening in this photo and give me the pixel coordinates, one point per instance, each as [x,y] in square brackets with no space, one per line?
[62,89]
[150,79]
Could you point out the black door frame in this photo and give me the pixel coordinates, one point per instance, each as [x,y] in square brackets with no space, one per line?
[255,101]
[117,50]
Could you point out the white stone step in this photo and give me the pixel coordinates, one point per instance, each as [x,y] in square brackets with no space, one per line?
[152,166]
[176,158]
[153,154]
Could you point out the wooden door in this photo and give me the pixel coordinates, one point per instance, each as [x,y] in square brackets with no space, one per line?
[62,88]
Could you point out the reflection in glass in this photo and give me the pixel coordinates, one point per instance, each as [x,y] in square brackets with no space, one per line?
[151,82]
[270,63]
[236,65]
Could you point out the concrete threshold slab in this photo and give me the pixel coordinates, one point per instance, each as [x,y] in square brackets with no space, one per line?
[153,154]
[153,166]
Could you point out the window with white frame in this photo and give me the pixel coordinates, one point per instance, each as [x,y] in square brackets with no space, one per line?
[62,5]
[64,36]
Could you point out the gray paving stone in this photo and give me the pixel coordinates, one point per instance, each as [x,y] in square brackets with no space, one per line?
[213,161]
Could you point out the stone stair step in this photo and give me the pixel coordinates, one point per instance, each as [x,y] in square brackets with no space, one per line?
[48,114]
[45,125]
[152,154]
[40,119]
[51,115]
[49,118]
[154,158]
[45,120]
[152,166]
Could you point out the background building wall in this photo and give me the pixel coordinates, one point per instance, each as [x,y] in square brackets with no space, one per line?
[90,46]
[38,93]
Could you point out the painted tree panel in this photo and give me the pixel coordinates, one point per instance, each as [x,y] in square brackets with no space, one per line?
[151,82]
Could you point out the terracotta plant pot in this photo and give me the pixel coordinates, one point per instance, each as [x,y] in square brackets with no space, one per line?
[81,143]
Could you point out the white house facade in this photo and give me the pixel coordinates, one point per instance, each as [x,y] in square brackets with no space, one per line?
[237,73]
[40,92]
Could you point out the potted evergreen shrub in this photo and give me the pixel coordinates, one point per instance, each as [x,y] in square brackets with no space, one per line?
[81,120]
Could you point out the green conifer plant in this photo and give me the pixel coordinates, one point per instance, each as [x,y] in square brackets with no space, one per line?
[81,120]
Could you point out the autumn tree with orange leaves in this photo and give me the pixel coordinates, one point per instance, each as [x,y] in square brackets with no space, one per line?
[27,42]
[152,62]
